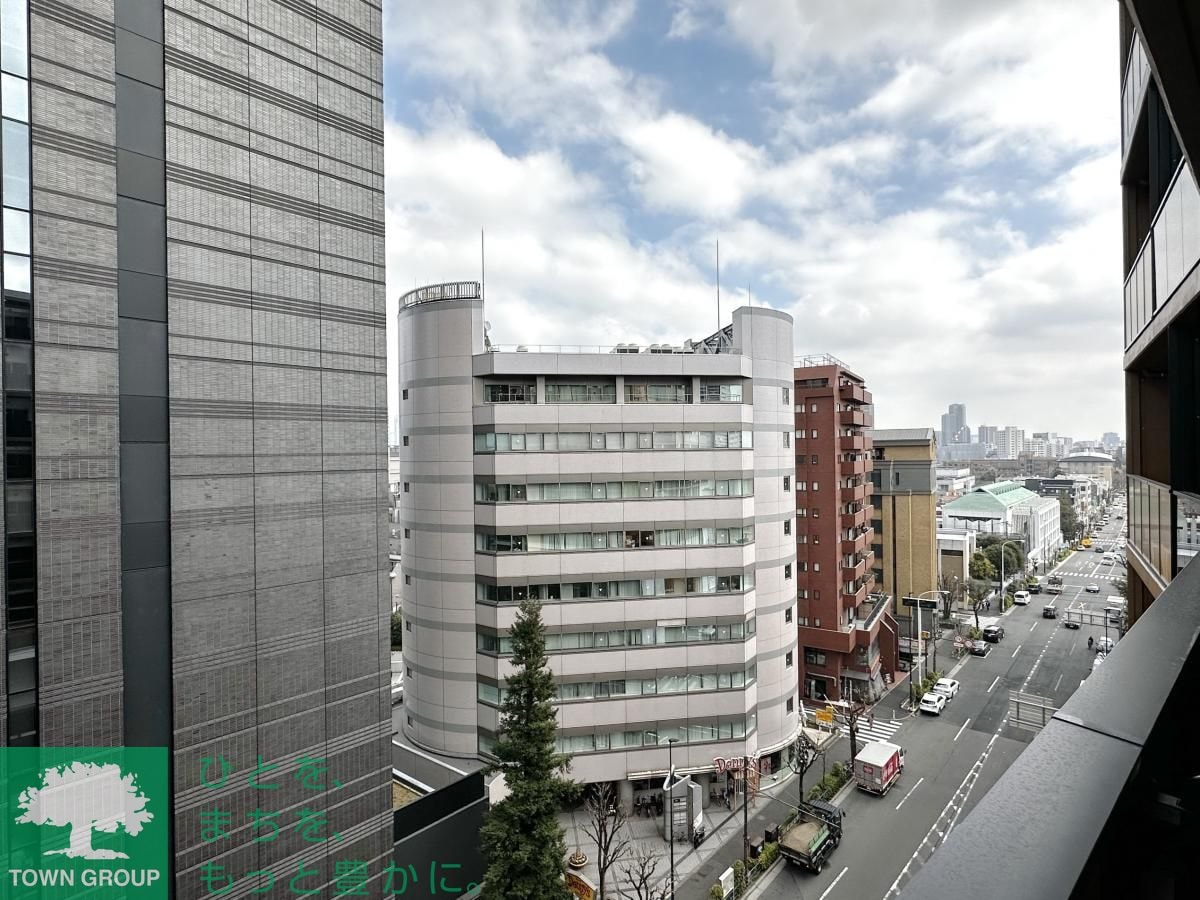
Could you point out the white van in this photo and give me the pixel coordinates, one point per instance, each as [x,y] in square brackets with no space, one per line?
[1021,597]
[1108,559]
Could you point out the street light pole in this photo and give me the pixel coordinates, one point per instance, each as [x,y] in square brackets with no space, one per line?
[671,742]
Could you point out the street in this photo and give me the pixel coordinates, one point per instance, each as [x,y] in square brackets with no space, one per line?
[953,759]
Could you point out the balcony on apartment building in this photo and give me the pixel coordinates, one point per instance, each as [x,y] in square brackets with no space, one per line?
[854,540]
[839,639]
[848,443]
[862,418]
[853,515]
[855,592]
[852,392]
[860,464]
[855,489]
[869,614]
[1112,777]
[855,566]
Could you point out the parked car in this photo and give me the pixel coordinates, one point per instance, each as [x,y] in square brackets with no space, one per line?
[1050,612]
[1071,623]
[1104,644]
[993,633]
[1092,588]
[980,648]
[1021,598]
[947,687]
[933,703]
[1098,549]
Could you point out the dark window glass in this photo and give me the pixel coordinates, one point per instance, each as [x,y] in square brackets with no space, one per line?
[18,317]
[18,418]
[19,462]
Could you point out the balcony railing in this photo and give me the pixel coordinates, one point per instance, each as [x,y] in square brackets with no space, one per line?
[1167,257]
[859,417]
[1151,534]
[860,466]
[854,393]
[856,492]
[851,442]
[1102,801]
[882,603]
[1137,77]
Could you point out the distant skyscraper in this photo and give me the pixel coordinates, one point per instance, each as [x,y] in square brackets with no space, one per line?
[1110,441]
[1010,441]
[954,425]
[195,413]
[987,435]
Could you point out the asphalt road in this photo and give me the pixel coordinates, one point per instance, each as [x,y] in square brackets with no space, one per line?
[953,759]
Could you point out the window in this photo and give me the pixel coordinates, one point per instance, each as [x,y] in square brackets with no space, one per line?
[405,439]
[787,396]
[407,625]
[658,393]
[814,657]
[787,615]
[404,394]
[814,460]
[510,393]
[813,408]
[406,487]
[407,533]
[581,393]
[791,704]
[787,483]
[720,393]
[816,567]
[787,660]
[814,434]
[816,513]
[787,439]
[408,579]
[787,570]
[787,526]
[816,486]
[799,434]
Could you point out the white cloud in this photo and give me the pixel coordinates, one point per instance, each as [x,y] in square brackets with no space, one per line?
[870,205]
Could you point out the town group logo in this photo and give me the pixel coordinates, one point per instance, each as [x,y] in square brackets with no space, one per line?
[83,822]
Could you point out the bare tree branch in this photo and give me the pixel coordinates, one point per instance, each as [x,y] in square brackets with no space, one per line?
[639,874]
[606,826]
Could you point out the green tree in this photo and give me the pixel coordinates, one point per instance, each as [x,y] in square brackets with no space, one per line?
[1068,522]
[1014,559]
[521,839]
[397,631]
[981,567]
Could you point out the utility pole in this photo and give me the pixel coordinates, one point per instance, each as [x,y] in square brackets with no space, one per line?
[746,809]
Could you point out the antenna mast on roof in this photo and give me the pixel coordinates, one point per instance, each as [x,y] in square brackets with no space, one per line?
[482,268]
[718,284]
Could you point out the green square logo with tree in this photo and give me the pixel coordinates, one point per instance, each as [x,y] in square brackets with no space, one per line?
[84,822]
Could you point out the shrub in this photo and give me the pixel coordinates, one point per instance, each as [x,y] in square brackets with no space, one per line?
[739,878]
[715,893]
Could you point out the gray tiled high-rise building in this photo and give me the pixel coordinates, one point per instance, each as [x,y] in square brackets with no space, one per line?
[195,406]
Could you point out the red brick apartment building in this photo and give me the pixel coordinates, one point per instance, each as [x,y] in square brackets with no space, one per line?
[847,633]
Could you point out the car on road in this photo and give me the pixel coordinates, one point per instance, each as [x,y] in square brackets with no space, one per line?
[1098,549]
[1021,598]
[933,703]
[1120,516]
[993,633]
[980,648]
[1050,612]
[1104,644]
[947,687]
[1071,623]
[1092,588]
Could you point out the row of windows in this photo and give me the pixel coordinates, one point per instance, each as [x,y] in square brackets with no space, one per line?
[696,632]
[606,392]
[20,589]
[607,590]
[693,732]
[557,441]
[614,540]
[679,683]
[614,490]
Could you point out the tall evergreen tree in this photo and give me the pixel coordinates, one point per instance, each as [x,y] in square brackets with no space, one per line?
[522,841]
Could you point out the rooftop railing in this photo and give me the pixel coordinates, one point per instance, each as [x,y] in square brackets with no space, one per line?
[450,290]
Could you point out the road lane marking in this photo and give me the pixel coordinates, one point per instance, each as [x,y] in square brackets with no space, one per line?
[833,884]
[1018,650]
[956,737]
[993,684]
[1057,683]
[910,792]
[1033,626]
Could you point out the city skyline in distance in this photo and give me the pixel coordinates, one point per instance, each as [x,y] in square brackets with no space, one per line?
[926,191]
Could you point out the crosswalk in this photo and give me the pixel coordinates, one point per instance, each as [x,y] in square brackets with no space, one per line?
[882,730]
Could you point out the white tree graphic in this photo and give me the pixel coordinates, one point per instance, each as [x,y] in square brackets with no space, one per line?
[86,796]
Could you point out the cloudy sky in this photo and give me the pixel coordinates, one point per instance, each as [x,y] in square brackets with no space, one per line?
[928,186]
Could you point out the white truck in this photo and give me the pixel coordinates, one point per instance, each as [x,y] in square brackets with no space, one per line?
[878,766]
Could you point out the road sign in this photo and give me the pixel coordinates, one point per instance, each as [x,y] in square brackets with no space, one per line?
[923,602]
[825,715]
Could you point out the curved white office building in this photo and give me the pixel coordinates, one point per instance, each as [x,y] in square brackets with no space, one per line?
[643,495]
